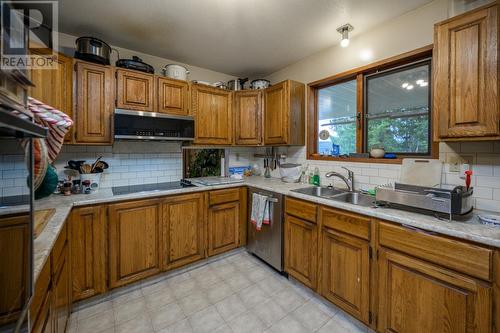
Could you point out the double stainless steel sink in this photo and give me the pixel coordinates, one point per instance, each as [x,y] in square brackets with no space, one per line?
[335,194]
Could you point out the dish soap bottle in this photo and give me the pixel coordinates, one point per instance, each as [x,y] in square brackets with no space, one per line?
[316,177]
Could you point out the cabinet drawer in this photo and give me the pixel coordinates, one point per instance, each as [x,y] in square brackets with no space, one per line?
[41,288]
[348,223]
[464,257]
[59,245]
[301,209]
[224,196]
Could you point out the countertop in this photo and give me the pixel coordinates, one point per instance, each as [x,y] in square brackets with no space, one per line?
[467,228]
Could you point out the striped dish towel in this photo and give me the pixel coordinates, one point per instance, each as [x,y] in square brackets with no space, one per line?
[56,121]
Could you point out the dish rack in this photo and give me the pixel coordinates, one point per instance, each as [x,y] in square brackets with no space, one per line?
[450,200]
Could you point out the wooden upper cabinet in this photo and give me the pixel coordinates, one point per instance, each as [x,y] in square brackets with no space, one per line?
[134,90]
[284,114]
[94,103]
[301,250]
[134,241]
[183,230]
[14,238]
[172,96]
[465,76]
[416,296]
[87,238]
[212,108]
[248,117]
[54,87]
[345,267]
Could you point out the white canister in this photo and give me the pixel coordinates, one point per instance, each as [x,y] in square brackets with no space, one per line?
[95,180]
[176,72]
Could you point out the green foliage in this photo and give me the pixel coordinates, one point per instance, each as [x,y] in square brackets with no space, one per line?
[205,163]
[400,135]
[345,138]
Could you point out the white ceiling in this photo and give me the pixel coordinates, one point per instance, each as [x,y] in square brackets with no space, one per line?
[237,37]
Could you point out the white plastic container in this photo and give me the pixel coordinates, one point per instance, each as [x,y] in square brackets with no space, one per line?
[95,180]
[290,173]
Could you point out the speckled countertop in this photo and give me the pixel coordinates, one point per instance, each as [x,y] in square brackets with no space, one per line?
[468,228]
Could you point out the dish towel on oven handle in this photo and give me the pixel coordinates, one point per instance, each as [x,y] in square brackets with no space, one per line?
[56,121]
[260,211]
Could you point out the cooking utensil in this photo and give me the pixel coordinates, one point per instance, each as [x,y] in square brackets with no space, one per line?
[135,63]
[421,171]
[220,84]
[175,71]
[237,84]
[260,84]
[75,165]
[468,174]
[95,163]
[93,49]
[86,168]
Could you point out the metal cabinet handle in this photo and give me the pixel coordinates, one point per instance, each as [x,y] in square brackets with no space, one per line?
[415,229]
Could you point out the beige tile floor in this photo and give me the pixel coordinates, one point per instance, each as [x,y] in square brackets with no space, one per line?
[236,293]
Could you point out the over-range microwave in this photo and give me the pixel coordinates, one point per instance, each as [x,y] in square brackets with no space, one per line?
[143,125]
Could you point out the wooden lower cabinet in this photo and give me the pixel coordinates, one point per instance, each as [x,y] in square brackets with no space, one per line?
[345,272]
[224,222]
[183,230]
[134,241]
[87,235]
[61,292]
[301,250]
[44,321]
[416,296]
[14,239]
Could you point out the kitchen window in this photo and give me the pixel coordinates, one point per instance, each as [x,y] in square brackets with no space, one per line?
[387,105]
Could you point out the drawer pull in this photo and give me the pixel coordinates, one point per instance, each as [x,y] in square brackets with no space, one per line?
[415,229]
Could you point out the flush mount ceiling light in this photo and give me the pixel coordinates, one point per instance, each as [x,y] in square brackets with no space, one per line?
[344,31]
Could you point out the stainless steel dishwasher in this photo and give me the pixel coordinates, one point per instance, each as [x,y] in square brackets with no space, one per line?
[267,244]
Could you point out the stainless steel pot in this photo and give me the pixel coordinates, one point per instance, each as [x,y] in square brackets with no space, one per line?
[93,49]
[260,84]
[237,84]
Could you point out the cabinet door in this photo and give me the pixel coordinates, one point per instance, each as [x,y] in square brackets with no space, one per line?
[94,103]
[134,237]
[345,270]
[276,115]
[61,293]
[416,296]
[14,238]
[466,76]
[213,114]
[223,225]
[134,90]
[248,117]
[301,250]
[44,322]
[87,238]
[54,87]
[173,96]
[183,220]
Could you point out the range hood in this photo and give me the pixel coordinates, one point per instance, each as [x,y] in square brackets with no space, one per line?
[143,125]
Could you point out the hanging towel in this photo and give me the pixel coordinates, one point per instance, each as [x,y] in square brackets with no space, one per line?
[260,211]
[57,122]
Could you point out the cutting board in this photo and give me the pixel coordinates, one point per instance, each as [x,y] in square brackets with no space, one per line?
[42,217]
[421,171]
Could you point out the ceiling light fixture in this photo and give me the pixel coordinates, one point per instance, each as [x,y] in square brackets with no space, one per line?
[344,31]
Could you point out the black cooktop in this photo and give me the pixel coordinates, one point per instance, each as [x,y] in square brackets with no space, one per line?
[120,190]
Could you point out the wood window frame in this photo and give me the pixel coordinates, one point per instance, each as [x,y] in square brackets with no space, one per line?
[359,74]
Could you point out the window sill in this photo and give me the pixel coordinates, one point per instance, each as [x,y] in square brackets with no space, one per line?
[358,159]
